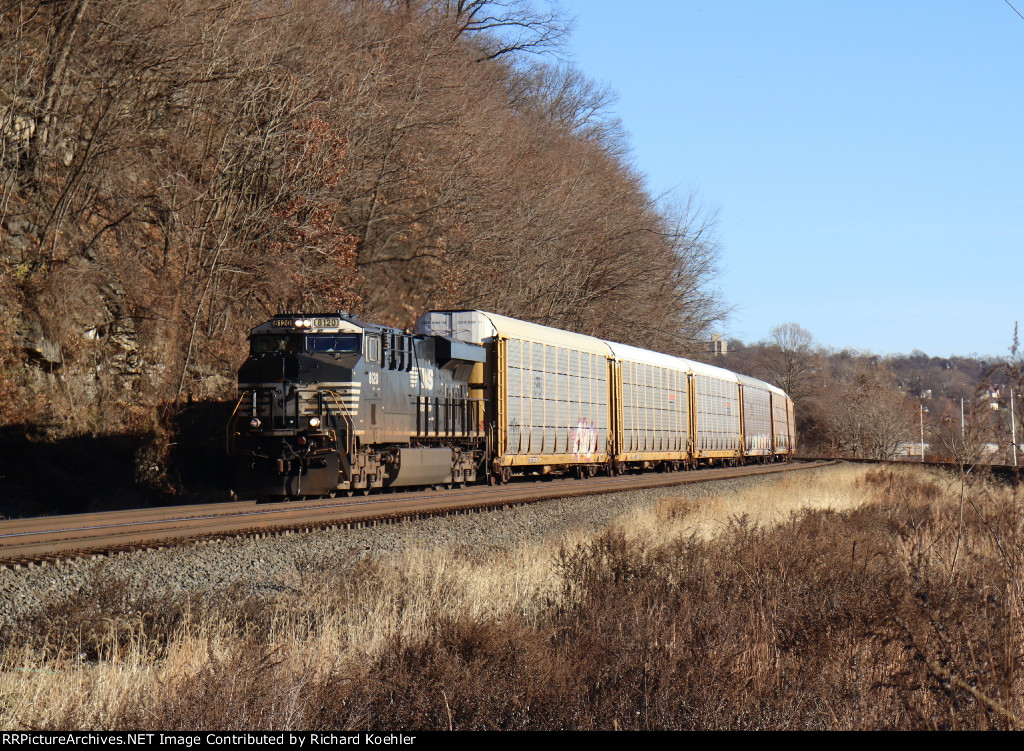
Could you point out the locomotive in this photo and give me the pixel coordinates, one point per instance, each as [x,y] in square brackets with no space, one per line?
[329,403]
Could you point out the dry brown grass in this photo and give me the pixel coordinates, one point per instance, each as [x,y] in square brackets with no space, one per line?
[827,600]
[840,489]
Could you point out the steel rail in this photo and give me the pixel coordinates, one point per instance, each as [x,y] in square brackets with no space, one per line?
[28,541]
[1005,471]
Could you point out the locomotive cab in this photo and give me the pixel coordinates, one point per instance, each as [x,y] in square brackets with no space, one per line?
[298,393]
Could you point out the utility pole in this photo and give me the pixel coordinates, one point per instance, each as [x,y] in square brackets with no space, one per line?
[1013,427]
[921,406]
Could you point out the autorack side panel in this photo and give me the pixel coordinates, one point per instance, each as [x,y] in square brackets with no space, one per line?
[715,398]
[654,411]
[557,399]
[757,416]
[782,422]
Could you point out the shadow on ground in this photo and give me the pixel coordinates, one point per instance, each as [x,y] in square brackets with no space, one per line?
[105,472]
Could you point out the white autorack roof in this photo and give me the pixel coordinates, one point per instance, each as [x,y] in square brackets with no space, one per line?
[713,371]
[479,327]
[648,357]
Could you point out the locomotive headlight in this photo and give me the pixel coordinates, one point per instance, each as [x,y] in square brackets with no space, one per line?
[299,323]
[254,423]
[307,323]
[314,422]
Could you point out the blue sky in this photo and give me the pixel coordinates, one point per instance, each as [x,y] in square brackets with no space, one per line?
[866,159]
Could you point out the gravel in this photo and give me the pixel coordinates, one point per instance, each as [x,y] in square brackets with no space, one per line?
[270,564]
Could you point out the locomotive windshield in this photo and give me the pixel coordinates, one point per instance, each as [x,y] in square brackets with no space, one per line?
[317,343]
[334,343]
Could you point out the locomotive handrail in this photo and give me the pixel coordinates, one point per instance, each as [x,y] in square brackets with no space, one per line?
[350,423]
[470,412]
[233,419]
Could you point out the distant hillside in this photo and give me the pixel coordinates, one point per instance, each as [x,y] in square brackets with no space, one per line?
[859,404]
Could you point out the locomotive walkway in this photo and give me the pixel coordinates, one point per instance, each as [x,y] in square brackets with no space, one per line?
[38,540]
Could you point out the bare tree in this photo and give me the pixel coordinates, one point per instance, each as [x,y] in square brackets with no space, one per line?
[569,239]
[503,27]
[966,443]
[865,415]
[562,96]
[790,359]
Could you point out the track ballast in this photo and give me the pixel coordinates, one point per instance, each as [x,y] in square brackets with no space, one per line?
[35,541]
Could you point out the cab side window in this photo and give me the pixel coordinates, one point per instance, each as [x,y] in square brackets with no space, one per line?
[372,349]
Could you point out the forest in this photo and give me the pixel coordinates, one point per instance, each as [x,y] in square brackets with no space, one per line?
[965,410]
[173,172]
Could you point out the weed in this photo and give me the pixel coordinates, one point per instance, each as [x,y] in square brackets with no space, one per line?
[829,602]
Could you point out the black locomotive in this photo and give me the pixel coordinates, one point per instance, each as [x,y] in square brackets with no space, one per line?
[329,403]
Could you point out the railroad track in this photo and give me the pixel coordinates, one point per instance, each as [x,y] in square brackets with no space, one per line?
[1002,471]
[38,540]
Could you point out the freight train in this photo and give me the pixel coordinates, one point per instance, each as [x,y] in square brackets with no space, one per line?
[332,404]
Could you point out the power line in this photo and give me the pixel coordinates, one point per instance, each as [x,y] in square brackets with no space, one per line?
[1014,9]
